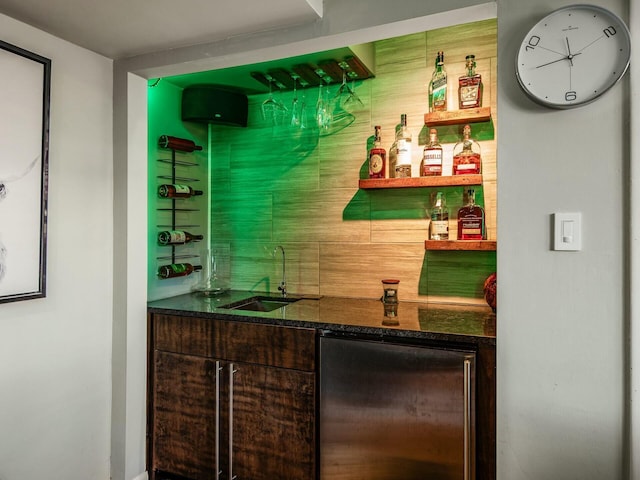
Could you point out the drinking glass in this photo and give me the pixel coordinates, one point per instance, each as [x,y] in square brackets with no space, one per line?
[323,110]
[273,110]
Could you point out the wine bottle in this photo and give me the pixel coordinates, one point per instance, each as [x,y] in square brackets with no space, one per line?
[439,224]
[177,237]
[438,86]
[470,86]
[471,220]
[431,164]
[377,157]
[177,191]
[466,154]
[175,143]
[177,270]
[403,140]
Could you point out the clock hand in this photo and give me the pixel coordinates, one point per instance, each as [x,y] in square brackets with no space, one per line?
[589,44]
[568,57]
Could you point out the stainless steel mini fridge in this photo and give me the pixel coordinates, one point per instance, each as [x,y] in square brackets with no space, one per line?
[395,411]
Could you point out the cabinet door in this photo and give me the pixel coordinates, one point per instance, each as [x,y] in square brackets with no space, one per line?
[272,423]
[183,424]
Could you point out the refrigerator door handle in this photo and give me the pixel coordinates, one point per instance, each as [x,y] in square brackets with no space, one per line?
[467,419]
[217,448]
[232,371]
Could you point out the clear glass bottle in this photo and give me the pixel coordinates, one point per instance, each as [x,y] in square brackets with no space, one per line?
[393,159]
[438,86]
[470,86]
[471,220]
[439,224]
[466,155]
[377,157]
[431,164]
[403,142]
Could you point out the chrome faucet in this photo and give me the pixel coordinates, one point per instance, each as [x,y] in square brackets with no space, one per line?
[283,283]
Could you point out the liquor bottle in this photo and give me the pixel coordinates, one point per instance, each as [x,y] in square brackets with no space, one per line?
[471,223]
[466,154]
[393,159]
[377,157]
[439,224]
[177,237]
[431,164]
[177,270]
[175,143]
[403,141]
[438,86]
[177,191]
[470,86]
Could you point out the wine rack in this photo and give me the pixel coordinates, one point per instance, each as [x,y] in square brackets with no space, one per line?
[175,209]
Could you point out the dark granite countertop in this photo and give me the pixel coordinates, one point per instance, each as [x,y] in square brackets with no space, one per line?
[466,324]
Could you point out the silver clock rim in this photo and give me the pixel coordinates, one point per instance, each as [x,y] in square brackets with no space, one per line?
[566,106]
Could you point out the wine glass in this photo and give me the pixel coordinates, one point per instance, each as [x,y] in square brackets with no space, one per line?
[323,110]
[296,117]
[272,109]
[346,96]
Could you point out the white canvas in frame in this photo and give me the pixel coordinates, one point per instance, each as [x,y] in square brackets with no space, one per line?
[24,97]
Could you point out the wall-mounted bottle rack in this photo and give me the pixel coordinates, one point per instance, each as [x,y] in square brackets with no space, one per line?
[175,145]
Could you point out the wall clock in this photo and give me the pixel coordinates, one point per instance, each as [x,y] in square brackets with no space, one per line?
[573,55]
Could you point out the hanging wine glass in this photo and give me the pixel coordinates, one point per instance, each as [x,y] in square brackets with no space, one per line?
[269,105]
[296,118]
[303,110]
[346,96]
[323,110]
[272,110]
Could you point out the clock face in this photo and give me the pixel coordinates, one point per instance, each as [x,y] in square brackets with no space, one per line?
[573,55]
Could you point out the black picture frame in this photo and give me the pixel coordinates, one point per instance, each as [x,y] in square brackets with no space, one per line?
[25,86]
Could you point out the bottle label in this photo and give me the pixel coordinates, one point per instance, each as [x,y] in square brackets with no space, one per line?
[178,267]
[439,227]
[469,92]
[376,163]
[404,152]
[182,189]
[439,95]
[432,157]
[471,227]
[466,167]
[176,236]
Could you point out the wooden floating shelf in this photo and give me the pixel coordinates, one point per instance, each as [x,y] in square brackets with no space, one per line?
[467,245]
[416,182]
[457,117]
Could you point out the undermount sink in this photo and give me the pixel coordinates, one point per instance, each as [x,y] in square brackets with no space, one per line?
[260,303]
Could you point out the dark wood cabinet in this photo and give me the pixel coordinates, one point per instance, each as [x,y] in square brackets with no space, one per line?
[184,409]
[230,400]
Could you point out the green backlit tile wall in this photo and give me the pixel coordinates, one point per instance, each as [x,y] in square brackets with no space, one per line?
[274,185]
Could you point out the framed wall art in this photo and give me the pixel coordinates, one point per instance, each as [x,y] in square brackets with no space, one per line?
[24,160]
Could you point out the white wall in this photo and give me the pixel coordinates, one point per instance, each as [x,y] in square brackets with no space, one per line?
[561,318]
[55,353]
[561,325]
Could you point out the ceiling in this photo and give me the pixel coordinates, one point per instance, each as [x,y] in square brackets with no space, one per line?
[124,28]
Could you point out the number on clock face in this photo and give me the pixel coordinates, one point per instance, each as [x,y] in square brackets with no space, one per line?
[573,56]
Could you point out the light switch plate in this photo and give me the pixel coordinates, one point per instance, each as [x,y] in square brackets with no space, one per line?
[567,231]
